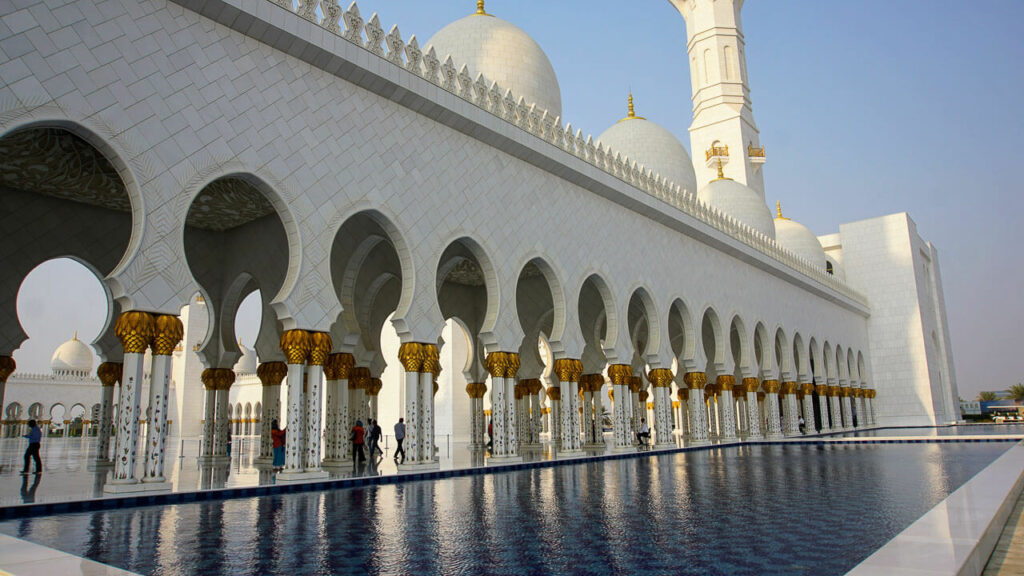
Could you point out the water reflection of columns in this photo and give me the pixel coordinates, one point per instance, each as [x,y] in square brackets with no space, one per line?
[477,424]
[695,382]
[771,402]
[296,345]
[135,330]
[807,390]
[169,331]
[270,374]
[620,375]
[109,374]
[569,371]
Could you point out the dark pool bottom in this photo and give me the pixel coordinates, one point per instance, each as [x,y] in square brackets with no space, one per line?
[769,509]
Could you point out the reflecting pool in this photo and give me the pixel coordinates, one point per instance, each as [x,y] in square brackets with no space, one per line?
[766,509]
[961,430]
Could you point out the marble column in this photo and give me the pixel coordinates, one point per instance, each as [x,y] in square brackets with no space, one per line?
[428,389]
[109,373]
[635,411]
[373,397]
[224,378]
[209,407]
[296,345]
[807,389]
[661,383]
[871,407]
[771,407]
[587,416]
[270,374]
[792,420]
[725,384]
[503,367]
[847,407]
[7,367]
[822,391]
[569,371]
[477,422]
[135,330]
[334,367]
[521,418]
[862,418]
[358,409]
[834,408]
[695,382]
[411,354]
[620,375]
[169,331]
[684,412]
[555,413]
[320,348]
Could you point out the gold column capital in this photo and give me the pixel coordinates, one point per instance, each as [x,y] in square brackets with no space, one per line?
[339,365]
[683,394]
[695,380]
[642,395]
[554,393]
[7,367]
[374,387]
[296,345]
[207,378]
[476,389]
[821,389]
[530,385]
[750,384]
[660,377]
[224,378]
[108,373]
[360,378]
[271,373]
[518,391]
[502,364]
[410,354]
[568,370]
[771,386]
[320,345]
[620,374]
[431,359]
[135,330]
[789,387]
[725,382]
[635,383]
[168,332]
[833,391]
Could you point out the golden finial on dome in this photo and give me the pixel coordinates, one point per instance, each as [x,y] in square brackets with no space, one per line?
[778,211]
[480,8]
[721,174]
[631,113]
[76,335]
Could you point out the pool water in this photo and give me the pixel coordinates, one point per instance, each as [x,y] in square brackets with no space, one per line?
[765,509]
[961,430]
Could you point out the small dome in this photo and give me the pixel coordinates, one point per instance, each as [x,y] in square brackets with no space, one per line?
[654,147]
[798,239]
[503,53]
[72,356]
[740,202]
[247,363]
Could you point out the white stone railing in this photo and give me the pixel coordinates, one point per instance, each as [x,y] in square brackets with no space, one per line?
[490,97]
[82,377]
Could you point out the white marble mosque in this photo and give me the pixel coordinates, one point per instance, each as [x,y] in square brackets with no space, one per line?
[430,238]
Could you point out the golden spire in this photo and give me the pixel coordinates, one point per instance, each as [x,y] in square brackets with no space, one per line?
[631,114]
[480,8]
[778,211]
[76,335]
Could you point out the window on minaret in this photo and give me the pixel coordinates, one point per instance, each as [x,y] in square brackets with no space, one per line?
[730,73]
[707,66]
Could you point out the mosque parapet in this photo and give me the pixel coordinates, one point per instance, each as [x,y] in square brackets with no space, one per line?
[489,96]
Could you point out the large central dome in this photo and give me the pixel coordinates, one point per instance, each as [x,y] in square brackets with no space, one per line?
[503,53]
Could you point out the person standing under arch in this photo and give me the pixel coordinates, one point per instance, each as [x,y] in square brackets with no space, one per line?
[34,436]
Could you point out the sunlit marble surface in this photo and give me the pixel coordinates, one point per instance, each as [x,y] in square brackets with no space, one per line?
[23,558]
[957,535]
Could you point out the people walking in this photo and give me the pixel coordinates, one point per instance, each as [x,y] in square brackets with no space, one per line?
[373,436]
[357,437]
[34,436]
[278,437]
[399,438]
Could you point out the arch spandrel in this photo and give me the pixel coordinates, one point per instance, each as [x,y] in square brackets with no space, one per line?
[653,354]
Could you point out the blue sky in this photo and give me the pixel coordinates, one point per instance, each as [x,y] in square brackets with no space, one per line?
[866,108]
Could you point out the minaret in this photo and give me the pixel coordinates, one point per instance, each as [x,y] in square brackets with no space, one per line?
[723,126]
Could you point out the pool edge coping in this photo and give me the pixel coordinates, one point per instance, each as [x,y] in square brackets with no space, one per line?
[969,553]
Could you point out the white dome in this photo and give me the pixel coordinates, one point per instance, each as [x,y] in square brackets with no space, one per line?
[72,356]
[652,146]
[503,53]
[247,363]
[740,202]
[797,238]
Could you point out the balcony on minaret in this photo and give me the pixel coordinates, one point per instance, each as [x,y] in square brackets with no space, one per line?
[756,155]
[717,155]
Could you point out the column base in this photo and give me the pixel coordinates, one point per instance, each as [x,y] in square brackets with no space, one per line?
[594,445]
[569,454]
[336,464]
[701,442]
[774,437]
[212,460]
[303,476]
[419,466]
[124,487]
[261,461]
[623,449]
[755,437]
[664,445]
[501,460]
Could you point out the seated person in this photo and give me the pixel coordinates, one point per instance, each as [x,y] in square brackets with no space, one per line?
[644,435]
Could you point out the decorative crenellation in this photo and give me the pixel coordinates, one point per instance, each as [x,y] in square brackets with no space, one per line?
[492,98]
